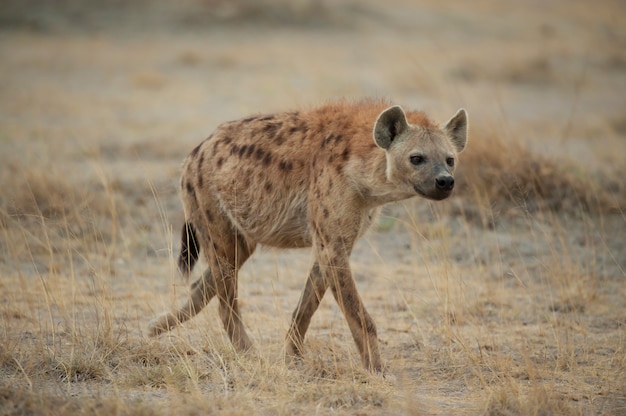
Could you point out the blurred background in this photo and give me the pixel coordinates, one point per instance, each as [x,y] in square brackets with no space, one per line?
[550,73]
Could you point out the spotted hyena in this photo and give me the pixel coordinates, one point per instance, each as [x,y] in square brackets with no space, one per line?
[314,178]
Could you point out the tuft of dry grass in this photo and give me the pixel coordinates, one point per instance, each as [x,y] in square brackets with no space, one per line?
[508,400]
[44,192]
[503,174]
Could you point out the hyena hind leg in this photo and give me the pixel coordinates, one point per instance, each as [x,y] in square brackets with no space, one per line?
[309,301]
[202,290]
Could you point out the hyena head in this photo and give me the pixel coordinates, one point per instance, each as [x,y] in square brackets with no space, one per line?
[420,158]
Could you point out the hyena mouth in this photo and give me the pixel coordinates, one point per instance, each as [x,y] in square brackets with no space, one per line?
[419,191]
[437,195]
[440,195]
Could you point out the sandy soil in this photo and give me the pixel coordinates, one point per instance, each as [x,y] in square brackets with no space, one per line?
[480,310]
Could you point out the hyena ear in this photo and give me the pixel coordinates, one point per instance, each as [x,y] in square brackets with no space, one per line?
[389,125]
[456,128]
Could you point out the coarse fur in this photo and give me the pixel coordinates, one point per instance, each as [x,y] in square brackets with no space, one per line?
[314,178]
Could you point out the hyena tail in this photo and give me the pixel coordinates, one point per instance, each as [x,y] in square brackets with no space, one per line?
[189,249]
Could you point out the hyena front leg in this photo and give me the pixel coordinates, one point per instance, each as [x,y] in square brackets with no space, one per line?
[335,267]
[309,301]
[360,322]
[202,290]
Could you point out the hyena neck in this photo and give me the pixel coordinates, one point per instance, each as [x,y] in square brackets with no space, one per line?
[371,181]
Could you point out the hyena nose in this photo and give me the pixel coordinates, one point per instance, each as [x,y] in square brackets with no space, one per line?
[445,183]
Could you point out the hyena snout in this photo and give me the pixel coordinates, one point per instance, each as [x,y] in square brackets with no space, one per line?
[444,183]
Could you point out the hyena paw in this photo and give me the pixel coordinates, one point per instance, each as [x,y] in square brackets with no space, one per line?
[162,323]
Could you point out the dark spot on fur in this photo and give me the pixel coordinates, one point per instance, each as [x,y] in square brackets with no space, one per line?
[331,138]
[345,155]
[370,327]
[299,127]
[195,150]
[340,245]
[250,150]
[242,150]
[220,162]
[267,159]
[191,191]
[266,118]
[279,139]
[268,186]
[348,299]
[271,128]
[200,162]
[209,216]
[227,140]
[259,153]
[285,165]
[249,119]
[326,213]
[234,149]
[246,182]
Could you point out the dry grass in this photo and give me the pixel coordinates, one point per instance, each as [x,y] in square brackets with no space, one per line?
[507,299]
[526,180]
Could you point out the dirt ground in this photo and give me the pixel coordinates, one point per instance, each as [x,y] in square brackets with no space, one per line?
[507,299]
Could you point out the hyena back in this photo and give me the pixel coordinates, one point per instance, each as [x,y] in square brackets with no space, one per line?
[311,178]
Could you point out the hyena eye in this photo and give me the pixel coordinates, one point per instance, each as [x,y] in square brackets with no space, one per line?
[417,159]
[450,161]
